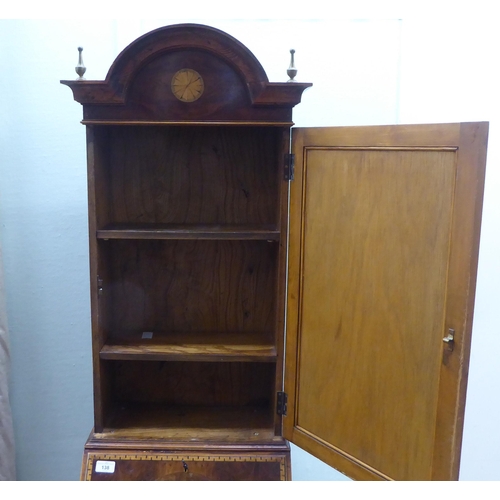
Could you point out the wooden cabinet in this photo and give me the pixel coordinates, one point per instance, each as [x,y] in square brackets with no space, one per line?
[205,256]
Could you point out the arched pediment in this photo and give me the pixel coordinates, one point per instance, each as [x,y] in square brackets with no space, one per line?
[139,82]
[184,37]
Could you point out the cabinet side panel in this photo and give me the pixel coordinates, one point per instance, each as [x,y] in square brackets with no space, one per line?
[97,163]
[281,274]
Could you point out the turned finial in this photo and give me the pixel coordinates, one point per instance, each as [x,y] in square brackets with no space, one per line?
[80,68]
[292,70]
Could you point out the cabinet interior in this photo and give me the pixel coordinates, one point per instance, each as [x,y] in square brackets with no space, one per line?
[187,246]
[183,400]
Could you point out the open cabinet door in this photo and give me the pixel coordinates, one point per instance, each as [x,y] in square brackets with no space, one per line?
[384,237]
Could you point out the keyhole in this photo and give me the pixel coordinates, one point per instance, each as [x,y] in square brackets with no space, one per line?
[185,465]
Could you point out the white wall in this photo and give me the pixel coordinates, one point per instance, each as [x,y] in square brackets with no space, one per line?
[374,71]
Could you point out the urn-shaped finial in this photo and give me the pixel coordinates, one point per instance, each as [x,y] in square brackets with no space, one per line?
[80,68]
[292,70]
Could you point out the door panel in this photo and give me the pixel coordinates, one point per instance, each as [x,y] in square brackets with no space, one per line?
[378,293]
[377,227]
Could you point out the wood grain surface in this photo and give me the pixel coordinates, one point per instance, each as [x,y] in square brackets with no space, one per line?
[190,286]
[189,175]
[384,239]
[190,465]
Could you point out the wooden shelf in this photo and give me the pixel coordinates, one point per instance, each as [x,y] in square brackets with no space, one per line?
[251,347]
[189,423]
[189,232]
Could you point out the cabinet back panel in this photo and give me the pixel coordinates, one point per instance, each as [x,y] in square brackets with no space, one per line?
[190,175]
[190,286]
[193,383]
